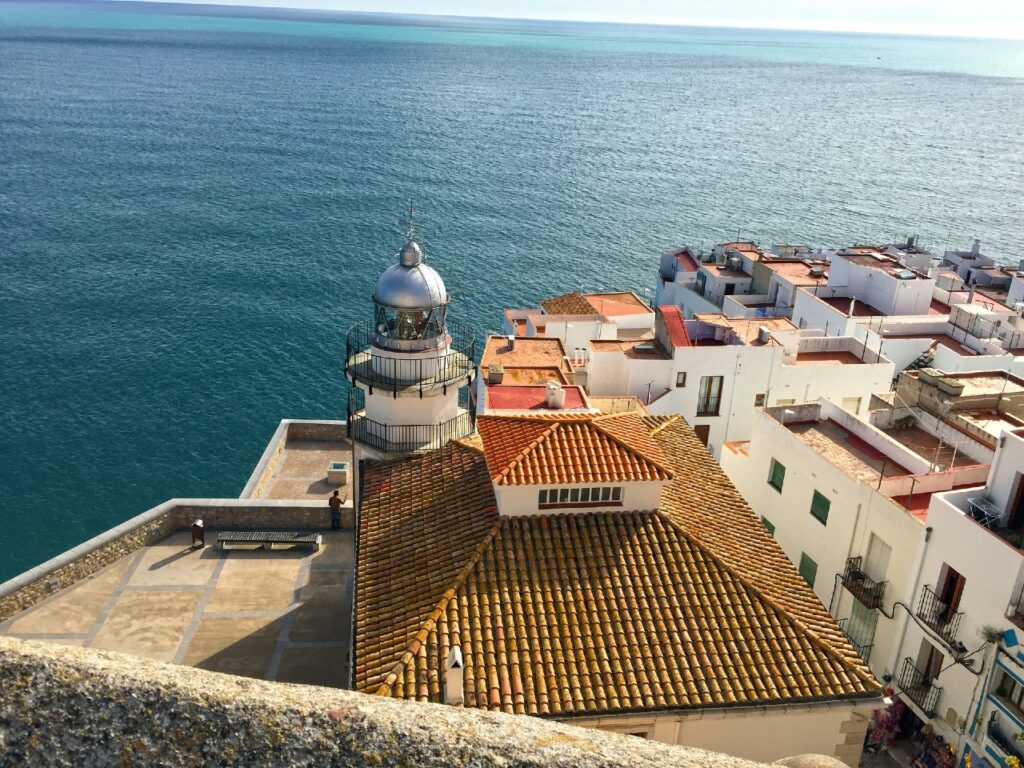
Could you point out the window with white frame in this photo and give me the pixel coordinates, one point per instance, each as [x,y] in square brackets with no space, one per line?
[579,498]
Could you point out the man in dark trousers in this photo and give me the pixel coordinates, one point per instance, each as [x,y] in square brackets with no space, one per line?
[335,504]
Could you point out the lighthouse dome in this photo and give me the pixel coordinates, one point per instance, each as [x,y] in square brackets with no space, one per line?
[410,284]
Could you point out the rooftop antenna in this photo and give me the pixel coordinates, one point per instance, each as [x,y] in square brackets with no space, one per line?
[408,223]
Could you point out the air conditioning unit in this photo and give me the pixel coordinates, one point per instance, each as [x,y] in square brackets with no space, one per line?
[817,271]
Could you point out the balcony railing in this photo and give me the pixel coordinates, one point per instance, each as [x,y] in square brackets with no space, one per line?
[942,618]
[708,406]
[1003,743]
[919,688]
[863,649]
[408,438]
[408,372]
[868,591]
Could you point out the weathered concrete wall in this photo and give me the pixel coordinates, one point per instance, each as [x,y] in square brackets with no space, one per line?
[72,706]
[151,526]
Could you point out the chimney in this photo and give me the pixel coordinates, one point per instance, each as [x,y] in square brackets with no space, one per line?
[555,397]
[853,303]
[453,693]
[511,342]
[976,248]
[495,373]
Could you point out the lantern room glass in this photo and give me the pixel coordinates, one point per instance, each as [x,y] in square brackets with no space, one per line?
[409,324]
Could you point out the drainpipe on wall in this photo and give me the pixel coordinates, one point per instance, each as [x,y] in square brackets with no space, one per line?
[906,616]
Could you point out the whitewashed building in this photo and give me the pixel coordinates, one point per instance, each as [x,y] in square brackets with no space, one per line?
[909,526]
[716,371]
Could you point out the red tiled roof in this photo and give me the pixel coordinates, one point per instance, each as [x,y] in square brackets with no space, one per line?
[690,605]
[547,451]
[675,326]
[574,303]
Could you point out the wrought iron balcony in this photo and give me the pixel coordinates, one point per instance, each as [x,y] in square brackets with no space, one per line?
[919,688]
[1002,742]
[408,438]
[942,618]
[868,591]
[397,373]
[863,649]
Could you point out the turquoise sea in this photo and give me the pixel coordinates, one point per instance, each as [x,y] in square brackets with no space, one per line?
[195,202]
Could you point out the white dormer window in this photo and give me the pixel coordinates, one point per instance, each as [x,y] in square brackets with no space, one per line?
[580,498]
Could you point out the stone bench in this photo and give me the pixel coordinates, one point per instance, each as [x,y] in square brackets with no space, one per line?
[268,540]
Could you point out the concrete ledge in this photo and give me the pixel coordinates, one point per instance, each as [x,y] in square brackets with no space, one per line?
[151,526]
[72,706]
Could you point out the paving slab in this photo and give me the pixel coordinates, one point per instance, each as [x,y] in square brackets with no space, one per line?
[236,646]
[74,610]
[260,580]
[173,562]
[324,610]
[150,624]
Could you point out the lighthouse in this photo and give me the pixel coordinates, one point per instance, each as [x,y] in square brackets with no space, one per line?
[411,366]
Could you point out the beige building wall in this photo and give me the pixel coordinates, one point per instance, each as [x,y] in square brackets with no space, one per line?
[763,734]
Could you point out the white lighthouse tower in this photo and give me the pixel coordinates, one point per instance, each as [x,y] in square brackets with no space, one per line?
[410,367]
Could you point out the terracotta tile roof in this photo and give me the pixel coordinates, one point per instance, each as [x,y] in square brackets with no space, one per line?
[548,451]
[687,606]
[422,522]
[574,303]
[675,327]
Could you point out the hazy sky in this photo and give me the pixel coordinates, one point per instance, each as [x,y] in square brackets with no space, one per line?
[995,18]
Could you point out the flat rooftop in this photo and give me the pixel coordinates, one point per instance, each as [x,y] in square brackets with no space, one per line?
[860,308]
[797,272]
[726,272]
[527,352]
[839,357]
[882,263]
[863,309]
[850,453]
[939,338]
[274,615]
[685,261]
[301,472]
[646,349]
[930,448]
[747,330]
[529,376]
[503,397]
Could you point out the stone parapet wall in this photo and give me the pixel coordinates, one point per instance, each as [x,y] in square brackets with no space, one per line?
[267,465]
[73,706]
[29,588]
[317,430]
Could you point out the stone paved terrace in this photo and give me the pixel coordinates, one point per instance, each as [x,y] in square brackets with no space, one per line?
[279,615]
[301,472]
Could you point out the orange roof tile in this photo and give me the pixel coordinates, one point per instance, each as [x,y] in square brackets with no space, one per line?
[690,605]
[574,303]
[594,449]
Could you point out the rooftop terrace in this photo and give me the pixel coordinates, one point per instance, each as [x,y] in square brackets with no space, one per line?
[853,455]
[277,615]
